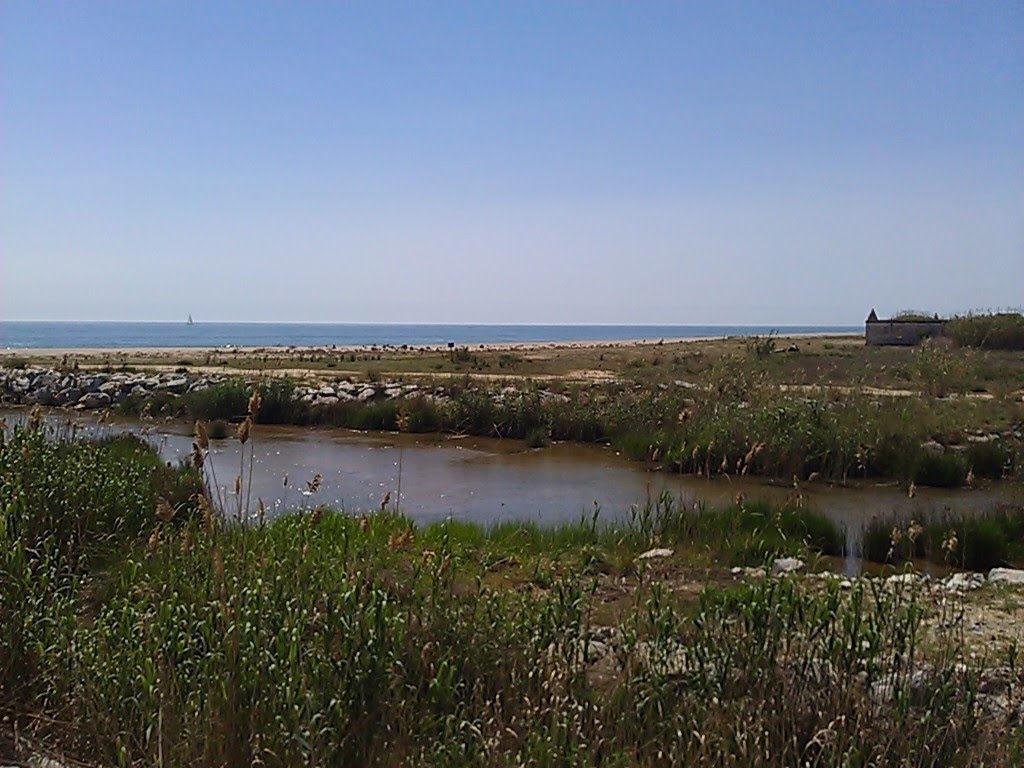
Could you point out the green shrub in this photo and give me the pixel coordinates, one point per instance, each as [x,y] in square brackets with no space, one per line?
[537,438]
[940,470]
[1002,330]
[991,459]
[980,542]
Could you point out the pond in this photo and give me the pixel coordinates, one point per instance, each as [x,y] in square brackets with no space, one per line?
[486,480]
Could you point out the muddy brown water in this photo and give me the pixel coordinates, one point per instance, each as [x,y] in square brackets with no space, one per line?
[486,480]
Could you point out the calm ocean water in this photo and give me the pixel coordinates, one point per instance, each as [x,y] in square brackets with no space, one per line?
[21,335]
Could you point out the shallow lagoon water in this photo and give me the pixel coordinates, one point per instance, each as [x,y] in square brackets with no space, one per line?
[487,480]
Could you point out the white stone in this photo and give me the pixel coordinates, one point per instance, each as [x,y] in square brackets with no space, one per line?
[1006,576]
[787,565]
[902,578]
[964,582]
[654,553]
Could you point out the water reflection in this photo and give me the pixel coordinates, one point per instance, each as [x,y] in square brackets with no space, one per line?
[485,480]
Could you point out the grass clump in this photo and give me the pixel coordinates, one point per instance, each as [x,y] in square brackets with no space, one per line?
[743,534]
[977,542]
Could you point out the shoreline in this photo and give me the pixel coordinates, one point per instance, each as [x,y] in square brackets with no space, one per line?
[521,346]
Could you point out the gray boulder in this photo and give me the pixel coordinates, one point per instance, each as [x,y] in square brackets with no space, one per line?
[90,384]
[68,396]
[176,386]
[1010,576]
[42,396]
[964,582]
[95,400]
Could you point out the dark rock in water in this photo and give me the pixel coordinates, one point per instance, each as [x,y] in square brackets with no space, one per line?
[41,396]
[68,396]
[95,400]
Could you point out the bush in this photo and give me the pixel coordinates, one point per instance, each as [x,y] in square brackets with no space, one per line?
[984,541]
[991,459]
[1004,330]
[942,470]
[537,438]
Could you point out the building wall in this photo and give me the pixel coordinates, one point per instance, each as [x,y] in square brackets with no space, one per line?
[883,333]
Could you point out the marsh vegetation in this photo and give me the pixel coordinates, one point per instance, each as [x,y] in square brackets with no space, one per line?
[141,627]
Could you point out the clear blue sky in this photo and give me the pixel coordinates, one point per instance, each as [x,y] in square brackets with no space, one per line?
[510,162]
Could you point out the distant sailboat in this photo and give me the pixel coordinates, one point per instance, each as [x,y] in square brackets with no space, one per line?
[190,320]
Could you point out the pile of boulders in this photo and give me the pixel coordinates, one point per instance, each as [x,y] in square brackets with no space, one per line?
[363,392]
[86,390]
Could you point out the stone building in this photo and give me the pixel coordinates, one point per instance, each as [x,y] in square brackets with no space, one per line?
[900,331]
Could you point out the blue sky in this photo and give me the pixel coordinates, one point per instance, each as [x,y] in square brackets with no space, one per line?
[510,162]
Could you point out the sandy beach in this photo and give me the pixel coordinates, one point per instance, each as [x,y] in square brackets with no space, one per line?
[158,353]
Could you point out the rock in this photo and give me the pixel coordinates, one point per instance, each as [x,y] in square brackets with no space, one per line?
[787,565]
[605,634]
[964,582]
[1006,576]
[177,386]
[933,448]
[997,680]
[41,761]
[326,400]
[845,585]
[652,554]
[902,579]
[68,396]
[366,394]
[110,387]
[993,705]
[42,396]
[95,400]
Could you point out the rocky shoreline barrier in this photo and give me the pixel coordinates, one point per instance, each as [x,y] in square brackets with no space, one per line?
[94,390]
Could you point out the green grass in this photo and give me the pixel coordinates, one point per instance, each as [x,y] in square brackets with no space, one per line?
[739,421]
[324,639]
[994,538]
[999,330]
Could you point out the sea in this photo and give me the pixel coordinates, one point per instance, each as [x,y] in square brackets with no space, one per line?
[113,335]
